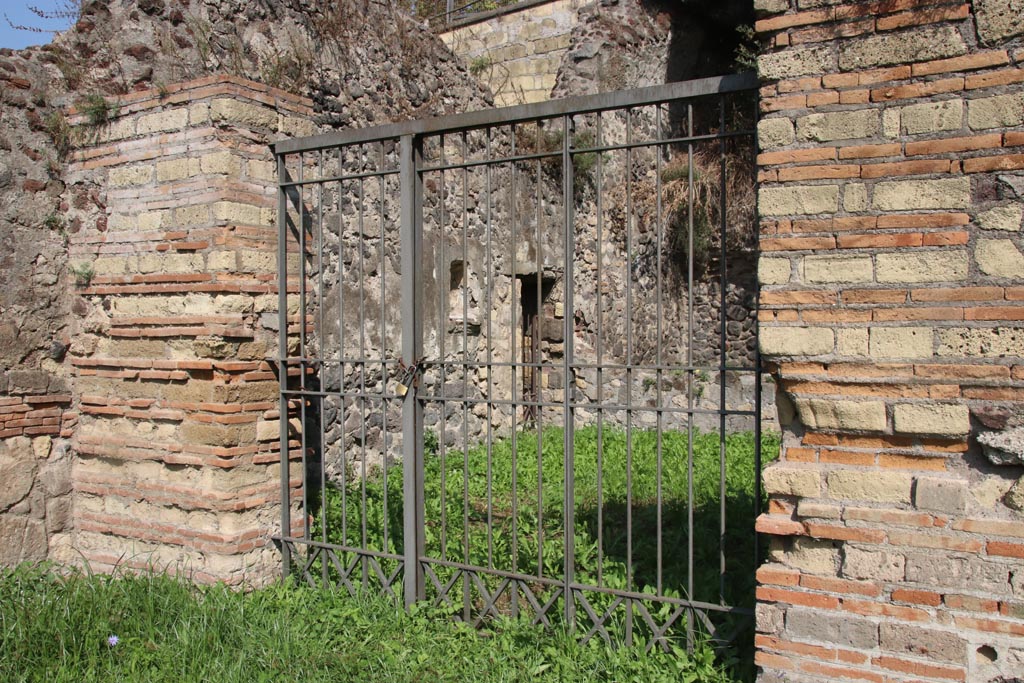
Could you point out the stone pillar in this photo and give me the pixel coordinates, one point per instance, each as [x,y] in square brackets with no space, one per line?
[892,272]
[177,461]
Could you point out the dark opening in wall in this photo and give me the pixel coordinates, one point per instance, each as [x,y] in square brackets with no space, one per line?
[535,291]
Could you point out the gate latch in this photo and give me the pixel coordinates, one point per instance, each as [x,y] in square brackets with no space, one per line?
[409,376]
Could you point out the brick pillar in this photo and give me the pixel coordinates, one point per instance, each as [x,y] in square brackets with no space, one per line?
[177,301]
[892,272]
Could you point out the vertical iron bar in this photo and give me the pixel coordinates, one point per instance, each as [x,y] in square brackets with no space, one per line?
[321,356]
[692,375]
[723,284]
[282,361]
[411,151]
[384,404]
[536,383]
[515,408]
[303,352]
[658,339]
[442,334]
[490,359]
[362,379]
[629,374]
[341,350]
[568,315]
[600,359]
[465,386]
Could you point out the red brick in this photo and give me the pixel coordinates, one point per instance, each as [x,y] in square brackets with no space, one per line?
[1006,162]
[924,220]
[783,103]
[911,462]
[855,96]
[918,597]
[869,151]
[957,294]
[772,661]
[920,668]
[904,239]
[765,594]
[818,34]
[776,526]
[965,63]
[873,609]
[794,454]
[938,541]
[874,296]
[945,239]
[847,458]
[875,76]
[971,604]
[778,577]
[994,313]
[889,516]
[1013,139]
[1004,549]
[797,297]
[789,20]
[1015,628]
[840,672]
[763,641]
[836,316]
[994,79]
[843,533]
[917,90]
[960,372]
[812,225]
[924,313]
[796,156]
[819,172]
[920,17]
[905,168]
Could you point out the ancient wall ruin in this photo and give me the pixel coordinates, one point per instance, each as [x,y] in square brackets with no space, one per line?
[892,178]
[516,51]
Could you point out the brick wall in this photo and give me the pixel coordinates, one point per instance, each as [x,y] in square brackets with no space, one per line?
[517,53]
[892,175]
[177,465]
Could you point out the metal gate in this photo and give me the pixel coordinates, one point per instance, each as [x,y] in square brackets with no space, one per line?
[518,361]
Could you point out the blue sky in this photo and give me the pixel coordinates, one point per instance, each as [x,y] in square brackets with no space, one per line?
[18,13]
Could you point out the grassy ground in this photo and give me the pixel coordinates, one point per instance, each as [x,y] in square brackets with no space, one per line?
[58,629]
[469,495]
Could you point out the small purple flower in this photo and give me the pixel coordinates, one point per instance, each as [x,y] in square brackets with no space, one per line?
[113,640]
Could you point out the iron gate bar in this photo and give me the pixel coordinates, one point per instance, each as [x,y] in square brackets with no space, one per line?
[309,397]
[485,118]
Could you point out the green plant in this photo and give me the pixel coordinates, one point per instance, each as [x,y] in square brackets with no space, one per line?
[745,57]
[479,65]
[97,109]
[57,627]
[84,273]
[60,131]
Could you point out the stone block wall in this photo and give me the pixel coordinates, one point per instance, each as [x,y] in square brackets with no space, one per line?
[35,465]
[176,301]
[517,52]
[892,307]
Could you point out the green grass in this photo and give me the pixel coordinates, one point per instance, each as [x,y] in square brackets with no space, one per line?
[56,629]
[533,539]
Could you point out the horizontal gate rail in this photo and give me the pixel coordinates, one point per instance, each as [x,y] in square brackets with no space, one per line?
[622,99]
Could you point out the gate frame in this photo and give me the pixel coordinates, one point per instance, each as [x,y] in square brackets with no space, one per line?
[411,134]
